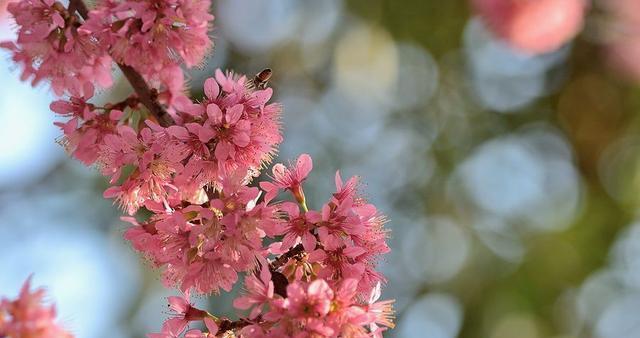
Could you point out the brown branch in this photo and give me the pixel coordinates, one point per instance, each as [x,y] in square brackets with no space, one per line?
[148,97]
[226,324]
[285,257]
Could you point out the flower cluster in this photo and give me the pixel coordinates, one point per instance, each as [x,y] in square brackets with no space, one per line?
[325,270]
[343,239]
[27,316]
[193,167]
[152,37]
[230,134]
[205,246]
[313,309]
[49,46]
[309,309]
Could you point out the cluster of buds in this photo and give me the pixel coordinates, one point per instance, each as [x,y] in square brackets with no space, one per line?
[193,166]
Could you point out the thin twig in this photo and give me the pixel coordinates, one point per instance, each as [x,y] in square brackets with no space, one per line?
[285,257]
[147,96]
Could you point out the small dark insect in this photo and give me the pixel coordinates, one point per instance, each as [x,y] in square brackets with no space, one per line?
[262,78]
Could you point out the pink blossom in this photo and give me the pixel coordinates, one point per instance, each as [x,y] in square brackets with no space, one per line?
[184,313]
[299,228]
[533,26]
[289,178]
[315,301]
[26,316]
[379,312]
[307,271]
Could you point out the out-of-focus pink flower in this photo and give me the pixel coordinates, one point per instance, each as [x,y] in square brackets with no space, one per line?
[27,317]
[533,26]
[622,37]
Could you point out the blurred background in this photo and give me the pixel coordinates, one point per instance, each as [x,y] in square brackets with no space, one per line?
[511,181]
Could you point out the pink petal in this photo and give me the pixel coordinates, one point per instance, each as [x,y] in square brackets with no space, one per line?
[178,132]
[309,242]
[234,113]
[211,325]
[178,304]
[206,134]
[304,166]
[214,113]
[222,150]
[241,139]
[211,88]
[116,115]
[112,192]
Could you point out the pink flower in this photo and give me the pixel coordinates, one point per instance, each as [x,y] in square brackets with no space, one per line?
[28,317]
[230,130]
[299,228]
[315,301]
[234,128]
[533,26]
[289,178]
[205,248]
[184,313]
[211,326]
[210,274]
[339,263]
